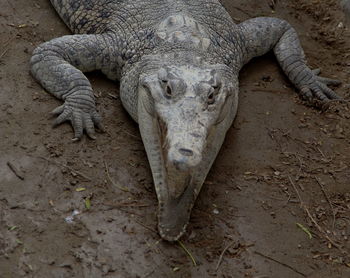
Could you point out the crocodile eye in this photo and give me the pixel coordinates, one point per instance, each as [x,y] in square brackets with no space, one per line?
[211,95]
[168,92]
[211,98]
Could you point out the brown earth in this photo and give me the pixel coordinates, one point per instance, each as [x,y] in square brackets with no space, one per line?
[248,220]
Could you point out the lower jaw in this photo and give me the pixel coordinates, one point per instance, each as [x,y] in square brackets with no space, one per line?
[170,234]
[174,214]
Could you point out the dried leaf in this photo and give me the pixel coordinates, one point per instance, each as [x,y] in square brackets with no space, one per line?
[79,189]
[188,253]
[12,228]
[304,229]
[88,203]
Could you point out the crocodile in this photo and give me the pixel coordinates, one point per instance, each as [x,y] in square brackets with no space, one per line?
[178,63]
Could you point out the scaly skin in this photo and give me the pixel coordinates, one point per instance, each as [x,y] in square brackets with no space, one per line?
[178,64]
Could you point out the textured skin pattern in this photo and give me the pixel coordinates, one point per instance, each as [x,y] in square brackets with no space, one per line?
[192,46]
[124,31]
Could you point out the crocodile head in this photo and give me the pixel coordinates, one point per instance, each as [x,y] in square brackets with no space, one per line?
[184,112]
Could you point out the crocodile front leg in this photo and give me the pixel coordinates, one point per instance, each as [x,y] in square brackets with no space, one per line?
[264,33]
[59,65]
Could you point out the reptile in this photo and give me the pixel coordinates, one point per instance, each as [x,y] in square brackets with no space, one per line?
[178,63]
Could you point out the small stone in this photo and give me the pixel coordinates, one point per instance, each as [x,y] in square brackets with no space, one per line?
[277,173]
[73,182]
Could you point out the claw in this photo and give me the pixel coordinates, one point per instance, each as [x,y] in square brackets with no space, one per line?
[318,89]
[328,81]
[89,127]
[58,110]
[328,92]
[306,93]
[316,71]
[318,93]
[93,137]
[85,118]
[65,116]
[325,80]
[77,123]
[96,118]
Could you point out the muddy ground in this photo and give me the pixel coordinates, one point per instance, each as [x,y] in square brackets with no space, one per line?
[248,220]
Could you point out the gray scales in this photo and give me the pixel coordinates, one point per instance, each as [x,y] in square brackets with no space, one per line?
[178,64]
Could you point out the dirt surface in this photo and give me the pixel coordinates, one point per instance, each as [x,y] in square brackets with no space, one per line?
[275,204]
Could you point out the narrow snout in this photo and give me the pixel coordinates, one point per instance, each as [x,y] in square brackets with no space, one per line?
[184,154]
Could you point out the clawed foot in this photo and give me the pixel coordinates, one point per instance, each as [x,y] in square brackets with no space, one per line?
[81,115]
[317,88]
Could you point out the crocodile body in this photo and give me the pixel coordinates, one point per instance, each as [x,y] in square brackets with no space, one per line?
[178,64]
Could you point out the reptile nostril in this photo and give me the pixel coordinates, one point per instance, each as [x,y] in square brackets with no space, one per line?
[186,152]
[195,135]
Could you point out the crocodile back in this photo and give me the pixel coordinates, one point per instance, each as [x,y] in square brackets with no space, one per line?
[86,16]
[129,16]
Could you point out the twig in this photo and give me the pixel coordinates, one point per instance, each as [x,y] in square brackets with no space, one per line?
[321,153]
[113,96]
[6,45]
[296,190]
[146,227]
[120,205]
[328,200]
[222,255]
[124,210]
[149,273]
[281,263]
[319,228]
[16,171]
[67,167]
[132,135]
[187,252]
[122,188]
[267,90]
[4,52]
